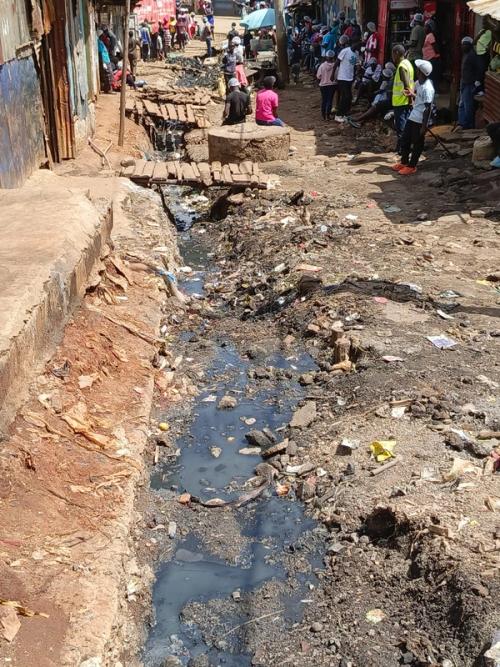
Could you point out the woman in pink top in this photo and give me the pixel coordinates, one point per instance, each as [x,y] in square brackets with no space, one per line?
[326,85]
[266,104]
[430,52]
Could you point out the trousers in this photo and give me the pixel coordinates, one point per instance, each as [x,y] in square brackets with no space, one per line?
[326,100]
[412,143]
[400,117]
[345,97]
[466,106]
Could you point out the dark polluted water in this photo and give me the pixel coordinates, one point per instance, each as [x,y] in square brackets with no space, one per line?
[272,527]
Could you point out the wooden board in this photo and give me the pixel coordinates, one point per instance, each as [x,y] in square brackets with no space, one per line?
[172,113]
[160,172]
[234,168]
[148,169]
[226,174]
[216,166]
[190,114]
[139,167]
[181,112]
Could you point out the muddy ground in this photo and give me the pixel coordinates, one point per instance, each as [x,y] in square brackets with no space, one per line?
[310,306]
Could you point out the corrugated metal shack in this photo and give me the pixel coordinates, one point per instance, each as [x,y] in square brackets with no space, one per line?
[21,114]
[49,81]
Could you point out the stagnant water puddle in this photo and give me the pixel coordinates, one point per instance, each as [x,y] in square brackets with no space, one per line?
[272,527]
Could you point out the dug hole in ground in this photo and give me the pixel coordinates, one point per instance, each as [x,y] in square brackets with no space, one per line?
[273,460]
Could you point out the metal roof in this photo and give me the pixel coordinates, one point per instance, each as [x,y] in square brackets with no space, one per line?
[483,7]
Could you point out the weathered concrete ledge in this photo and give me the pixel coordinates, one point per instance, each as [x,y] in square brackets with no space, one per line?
[248,141]
[51,236]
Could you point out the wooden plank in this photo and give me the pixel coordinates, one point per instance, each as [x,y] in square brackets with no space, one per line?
[164,112]
[139,106]
[190,114]
[139,167]
[255,168]
[216,166]
[178,171]
[172,113]
[217,176]
[196,171]
[205,175]
[181,112]
[234,168]
[226,174]
[127,172]
[246,167]
[188,173]
[148,169]
[172,171]
[160,172]
[241,178]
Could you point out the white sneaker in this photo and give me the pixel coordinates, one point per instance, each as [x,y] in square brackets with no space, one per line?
[340,119]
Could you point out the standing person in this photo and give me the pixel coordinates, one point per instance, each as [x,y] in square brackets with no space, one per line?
[431,53]
[401,89]
[326,85]
[229,62]
[372,43]
[417,38]
[266,104]
[469,81]
[209,13]
[412,142]
[167,40]
[206,36]
[237,106]
[247,38]
[106,69]
[192,25]
[132,52]
[482,44]
[331,38]
[182,29]
[145,38]
[295,58]
[342,23]
[344,69]
[232,33]
[238,47]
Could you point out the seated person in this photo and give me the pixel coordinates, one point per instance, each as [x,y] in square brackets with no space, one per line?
[370,76]
[266,104]
[238,104]
[382,102]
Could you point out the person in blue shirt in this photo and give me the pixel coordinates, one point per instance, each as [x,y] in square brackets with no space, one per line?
[145,39]
[106,69]
[331,38]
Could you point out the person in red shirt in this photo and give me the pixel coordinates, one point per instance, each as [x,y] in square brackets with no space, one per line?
[372,43]
[266,104]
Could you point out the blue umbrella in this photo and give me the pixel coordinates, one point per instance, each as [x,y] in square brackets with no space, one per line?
[260,18]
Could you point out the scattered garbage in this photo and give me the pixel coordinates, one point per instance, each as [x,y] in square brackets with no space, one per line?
[382,450]
[442,342]
[164,426]
[444,315]
[461,467]
[375,616]
[449,294]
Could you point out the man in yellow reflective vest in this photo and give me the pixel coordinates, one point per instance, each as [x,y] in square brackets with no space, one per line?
[401,92]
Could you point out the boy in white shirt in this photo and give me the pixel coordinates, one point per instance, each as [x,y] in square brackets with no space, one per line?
[344,69]
[412,141]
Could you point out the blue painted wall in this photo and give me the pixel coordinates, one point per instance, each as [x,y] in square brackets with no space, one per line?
[21,122]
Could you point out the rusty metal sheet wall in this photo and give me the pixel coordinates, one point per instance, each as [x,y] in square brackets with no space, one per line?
[21,122]
[491,99]
[14,28]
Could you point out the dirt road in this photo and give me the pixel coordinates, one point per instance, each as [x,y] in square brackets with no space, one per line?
[323,476]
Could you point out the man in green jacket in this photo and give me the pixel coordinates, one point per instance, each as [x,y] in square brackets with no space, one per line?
[401,91]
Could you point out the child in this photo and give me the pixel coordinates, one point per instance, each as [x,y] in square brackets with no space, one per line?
[412,141]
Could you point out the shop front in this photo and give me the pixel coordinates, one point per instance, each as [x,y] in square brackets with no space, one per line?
[453,20]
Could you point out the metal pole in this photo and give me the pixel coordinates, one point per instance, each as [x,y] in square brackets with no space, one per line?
[123,90]
[281,40]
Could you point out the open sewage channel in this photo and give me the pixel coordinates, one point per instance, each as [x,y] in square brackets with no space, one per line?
[207,609]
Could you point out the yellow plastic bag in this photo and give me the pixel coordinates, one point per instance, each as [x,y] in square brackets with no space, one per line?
[383,449]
